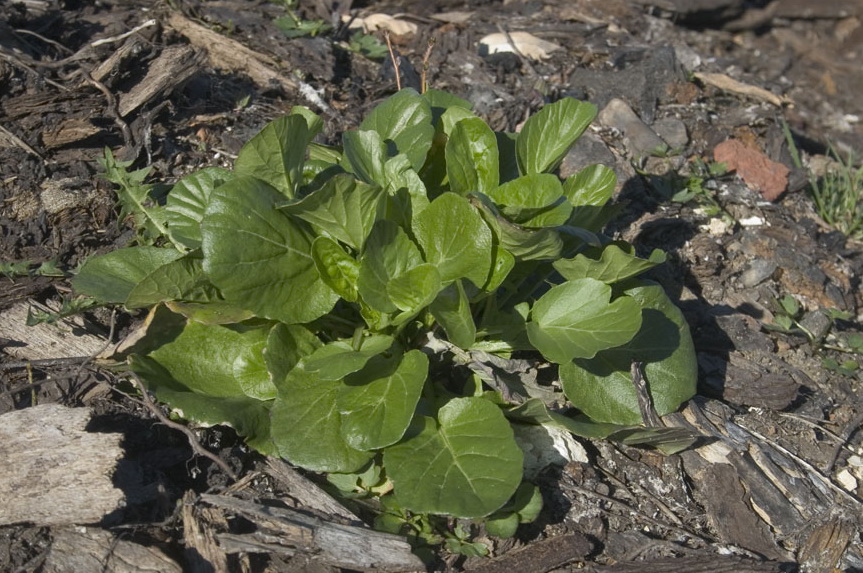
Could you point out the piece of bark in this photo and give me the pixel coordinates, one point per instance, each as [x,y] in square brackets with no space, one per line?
[708,562]
[225,53]
[545,555]
[308,494]
[66,338]
[88,550]
[171,69]
[825,545]
[334,543]
[203,554]
[54,472]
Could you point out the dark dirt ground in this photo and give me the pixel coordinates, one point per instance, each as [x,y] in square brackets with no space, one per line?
[778,484]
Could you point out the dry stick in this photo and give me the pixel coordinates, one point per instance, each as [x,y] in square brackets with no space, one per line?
[811,468]
[645,402]
[846,435]
[193,440]
[394,59]
[426,57]
[128,139]
[136,29]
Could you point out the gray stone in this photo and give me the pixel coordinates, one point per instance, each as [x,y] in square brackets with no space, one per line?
[640,76]
[756,272]
[639,138]
[588,150]
[672,131]
[817,323]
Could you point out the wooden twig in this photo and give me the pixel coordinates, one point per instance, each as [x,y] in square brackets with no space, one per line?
[113,108]
[395,60]
[196,446]
[426,57]
[645,402]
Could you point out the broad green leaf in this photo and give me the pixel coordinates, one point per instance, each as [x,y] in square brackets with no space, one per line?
[250,417]
[415,288]
[337,359]
[306,425]
[521,243]
[616,262]
[472,157]
[503,263]
[400,176]
[220,361]
[602,386]
[377,404]
[592,186]
[187,201]
[589,191]
[259,258]
[534,411]
[388,253]
[577,319]
[441,101]
[455,239]
[405,119]
[344,208]
[214,312]
[338,270]
[529,245]
[526,199]
[111,277]
[466,464]
[667,440]
[451,309]
[508,161]
[504,526]
[366,152]
[548,134]
[276,154]
[453,116]
[182,279]
[287,345]
[313,120]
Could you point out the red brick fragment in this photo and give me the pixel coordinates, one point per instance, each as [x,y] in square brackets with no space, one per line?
[757,170]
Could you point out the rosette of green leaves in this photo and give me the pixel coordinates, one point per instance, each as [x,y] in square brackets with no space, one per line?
[296,295]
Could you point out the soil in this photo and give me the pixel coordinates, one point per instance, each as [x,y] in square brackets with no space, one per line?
[777,481]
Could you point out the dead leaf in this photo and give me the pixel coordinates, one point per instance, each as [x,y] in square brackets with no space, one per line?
[378,22]
[729,84]
[529,45]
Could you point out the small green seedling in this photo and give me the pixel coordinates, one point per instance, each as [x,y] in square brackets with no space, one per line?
[324,301]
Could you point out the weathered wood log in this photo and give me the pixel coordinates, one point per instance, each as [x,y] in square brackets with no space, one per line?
[88,550]
[54,472]
[540,556]
[285,530]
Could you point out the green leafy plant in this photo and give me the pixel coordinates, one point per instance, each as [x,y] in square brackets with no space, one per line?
[788,318]
[295,27]
[838,194]
[692,186]
[356,309]
[31,268]
[368,45]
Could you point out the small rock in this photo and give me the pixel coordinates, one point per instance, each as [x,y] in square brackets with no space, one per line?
[673,131]
[687,57]
[768,177]
[757,272]
[847,480]
[816,322]
[641,77]
[640,139]
[588,150]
